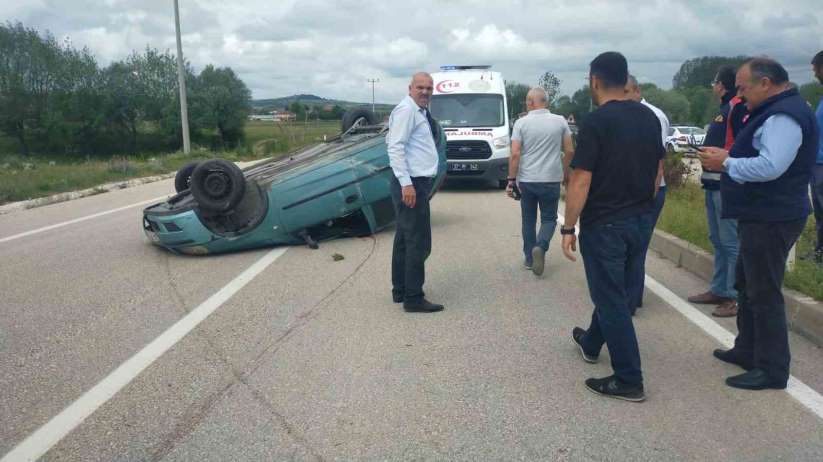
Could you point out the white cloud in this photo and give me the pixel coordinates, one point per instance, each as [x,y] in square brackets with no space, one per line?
[330,47]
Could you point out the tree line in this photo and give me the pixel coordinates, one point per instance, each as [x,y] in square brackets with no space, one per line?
[690,101]
[57,99]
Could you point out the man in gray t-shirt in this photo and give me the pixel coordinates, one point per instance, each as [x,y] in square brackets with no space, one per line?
[541,149]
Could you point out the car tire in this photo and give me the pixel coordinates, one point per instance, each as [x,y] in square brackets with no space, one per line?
[670,149]
[217,185]
[358,116]
[182,180]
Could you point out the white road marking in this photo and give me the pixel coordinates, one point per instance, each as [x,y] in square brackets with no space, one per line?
[798,390]
[39,442]
[78,220]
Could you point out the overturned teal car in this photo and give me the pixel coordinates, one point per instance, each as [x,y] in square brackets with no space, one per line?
[334,189]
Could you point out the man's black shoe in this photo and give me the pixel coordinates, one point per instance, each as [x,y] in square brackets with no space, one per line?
[613,388]
[423,306]
[577,335]
[755,379]
[538,260]
[731,357]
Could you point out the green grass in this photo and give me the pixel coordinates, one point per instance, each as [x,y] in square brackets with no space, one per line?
[264,138]
[38,176]
[684,215]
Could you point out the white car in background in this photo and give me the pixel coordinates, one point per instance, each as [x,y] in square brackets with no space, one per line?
[681,136]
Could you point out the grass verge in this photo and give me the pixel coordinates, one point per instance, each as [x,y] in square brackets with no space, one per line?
[23,178]
[684,215]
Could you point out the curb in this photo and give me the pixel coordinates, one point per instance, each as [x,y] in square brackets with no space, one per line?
[804,314]
[100,189]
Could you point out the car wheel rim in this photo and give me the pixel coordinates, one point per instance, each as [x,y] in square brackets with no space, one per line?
[217,185]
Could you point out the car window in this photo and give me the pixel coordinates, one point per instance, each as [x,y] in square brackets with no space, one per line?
[671,131]
[692,130]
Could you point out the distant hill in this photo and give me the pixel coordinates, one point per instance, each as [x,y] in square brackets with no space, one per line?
[261,105]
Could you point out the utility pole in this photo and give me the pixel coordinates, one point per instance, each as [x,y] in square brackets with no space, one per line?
[181,81]
[372,82]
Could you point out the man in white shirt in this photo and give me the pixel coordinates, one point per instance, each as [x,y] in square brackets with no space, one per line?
[413,159]
[541,146]
[636,281]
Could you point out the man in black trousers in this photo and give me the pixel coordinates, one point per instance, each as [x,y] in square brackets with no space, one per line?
[611,189]
[765,187]
[413,159]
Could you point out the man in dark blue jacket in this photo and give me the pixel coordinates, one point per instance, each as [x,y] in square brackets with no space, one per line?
[765,187]
[817,175]
[722,231]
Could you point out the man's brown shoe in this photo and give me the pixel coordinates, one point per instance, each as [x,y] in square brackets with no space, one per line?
[726,309]
[708,298]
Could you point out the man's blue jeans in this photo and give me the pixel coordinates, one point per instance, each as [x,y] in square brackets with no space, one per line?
[545,196]
[637,279]
[723,235]
[611,252]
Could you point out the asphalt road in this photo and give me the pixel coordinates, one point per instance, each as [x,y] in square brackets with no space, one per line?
[310,360]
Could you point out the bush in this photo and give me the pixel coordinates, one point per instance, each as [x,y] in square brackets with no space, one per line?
[675,171]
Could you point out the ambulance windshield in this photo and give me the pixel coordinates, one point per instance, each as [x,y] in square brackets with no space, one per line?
[468,110]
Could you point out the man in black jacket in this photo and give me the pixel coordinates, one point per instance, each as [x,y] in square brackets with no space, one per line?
[722,231]
[765,186]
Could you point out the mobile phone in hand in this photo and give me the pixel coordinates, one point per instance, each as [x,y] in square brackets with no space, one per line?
[696,147]
[516,192]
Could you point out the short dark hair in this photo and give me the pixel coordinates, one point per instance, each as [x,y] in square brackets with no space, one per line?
[769,68]
[817,61]
[611,68]
[726,76]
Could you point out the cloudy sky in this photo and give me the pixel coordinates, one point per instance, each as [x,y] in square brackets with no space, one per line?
[330,48]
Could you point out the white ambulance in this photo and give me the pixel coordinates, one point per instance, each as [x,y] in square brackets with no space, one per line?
[470,104]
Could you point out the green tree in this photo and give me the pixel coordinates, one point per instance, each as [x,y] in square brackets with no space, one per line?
[699,72]
[581,103]
[577,105]
[551,84]
[673,103]
[28,64]
[812,92]
[123,101]
[297,109]
[140,91]
[76,105]
[222,101]
[516,98]
[702,105]
[563,106]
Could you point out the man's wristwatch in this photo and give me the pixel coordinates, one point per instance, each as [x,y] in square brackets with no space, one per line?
[512,179]
[566,231]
